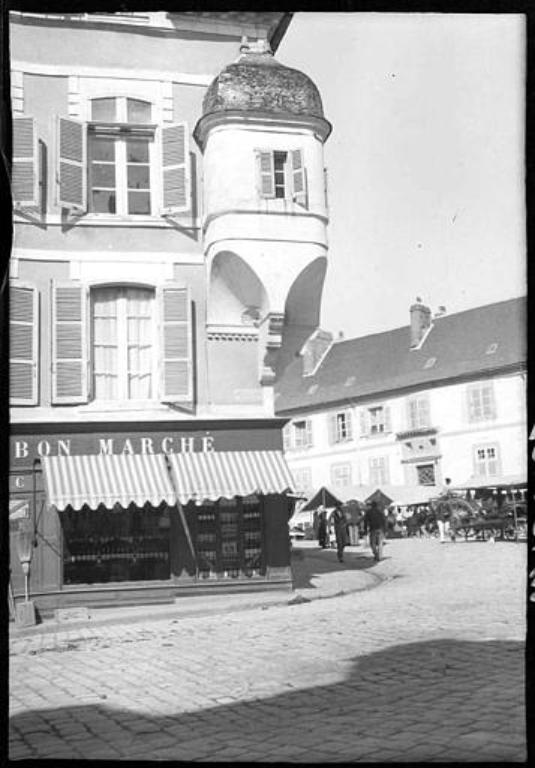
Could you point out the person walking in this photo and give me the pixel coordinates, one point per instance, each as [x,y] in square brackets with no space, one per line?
[322,530]
[340,532]
[375,526]
[443,511]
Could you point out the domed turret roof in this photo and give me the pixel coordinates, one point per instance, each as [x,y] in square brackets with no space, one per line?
[258,82]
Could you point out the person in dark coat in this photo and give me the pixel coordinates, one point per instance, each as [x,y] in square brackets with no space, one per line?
[341,532]
[375,526]
[322,530]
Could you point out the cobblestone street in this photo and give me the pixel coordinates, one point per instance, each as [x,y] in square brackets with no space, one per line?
[429,665]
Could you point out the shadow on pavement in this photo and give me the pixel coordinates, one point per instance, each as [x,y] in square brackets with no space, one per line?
[443,700]
[314,562]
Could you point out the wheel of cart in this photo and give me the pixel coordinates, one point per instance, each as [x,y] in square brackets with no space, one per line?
[462,518]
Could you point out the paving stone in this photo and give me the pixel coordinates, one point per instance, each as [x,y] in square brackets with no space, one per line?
[307,683]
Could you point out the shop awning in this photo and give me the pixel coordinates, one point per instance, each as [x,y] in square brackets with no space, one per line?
[224,474]
[107,480]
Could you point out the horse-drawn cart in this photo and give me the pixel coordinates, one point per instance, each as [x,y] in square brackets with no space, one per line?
[497,517]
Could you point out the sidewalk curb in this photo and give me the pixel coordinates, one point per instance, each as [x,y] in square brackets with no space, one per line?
[226,604]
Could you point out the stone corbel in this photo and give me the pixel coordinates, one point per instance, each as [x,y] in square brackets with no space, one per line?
[269,350]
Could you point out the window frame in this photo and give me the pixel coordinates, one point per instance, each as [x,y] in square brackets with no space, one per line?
[297,472]
[122,349]
[340,471]
[290,170]
[414,409]
[427,465]
[307,432]
[378,463]
[340,425]
[478,390]
[120,131]
[478,462]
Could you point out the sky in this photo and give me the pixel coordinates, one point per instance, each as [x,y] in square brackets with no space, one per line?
[425,161]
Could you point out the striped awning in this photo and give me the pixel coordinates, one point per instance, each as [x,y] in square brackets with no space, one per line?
[108,480]
[225,474]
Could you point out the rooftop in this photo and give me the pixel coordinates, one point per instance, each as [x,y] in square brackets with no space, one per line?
[459,346]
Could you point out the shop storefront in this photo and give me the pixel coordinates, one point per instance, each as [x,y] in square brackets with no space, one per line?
[148,515]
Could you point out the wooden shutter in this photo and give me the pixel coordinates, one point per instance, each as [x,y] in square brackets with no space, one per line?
[349,425]
[425,412]
[69,343]
[266,174]
[363,421]
[175,343]
[24,172]
[72,163]
[23,344]
[412,414]
[387,419]
[175,168]
[491,400]
[308,428]
[298,176]
[287,437]
[331,425]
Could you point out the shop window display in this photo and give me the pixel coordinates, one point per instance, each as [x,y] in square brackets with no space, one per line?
[229,539]
[112,546]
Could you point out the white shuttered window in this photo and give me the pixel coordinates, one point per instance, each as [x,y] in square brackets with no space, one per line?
[282,175]
[120,163]
[23,345]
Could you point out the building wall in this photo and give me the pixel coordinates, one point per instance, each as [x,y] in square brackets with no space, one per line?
[56,73]
[456,437]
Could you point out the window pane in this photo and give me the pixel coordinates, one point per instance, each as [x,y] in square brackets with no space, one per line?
[139,202]
[102,149]
[103,110]
[103,175]
[138,177]
[103,202]
[138,111]
[137,151]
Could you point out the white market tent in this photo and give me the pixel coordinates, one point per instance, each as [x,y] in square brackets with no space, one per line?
[399,495]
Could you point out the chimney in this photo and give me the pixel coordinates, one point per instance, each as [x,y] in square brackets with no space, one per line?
[314,349]
[420,322]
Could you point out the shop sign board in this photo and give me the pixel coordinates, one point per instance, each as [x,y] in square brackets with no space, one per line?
[24,449]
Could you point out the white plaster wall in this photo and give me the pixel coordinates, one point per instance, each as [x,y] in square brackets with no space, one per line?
[456,436]
[230,169]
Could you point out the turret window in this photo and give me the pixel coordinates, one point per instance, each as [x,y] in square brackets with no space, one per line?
[282,175]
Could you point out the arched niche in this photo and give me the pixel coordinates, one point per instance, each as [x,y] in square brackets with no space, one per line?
[237,295]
